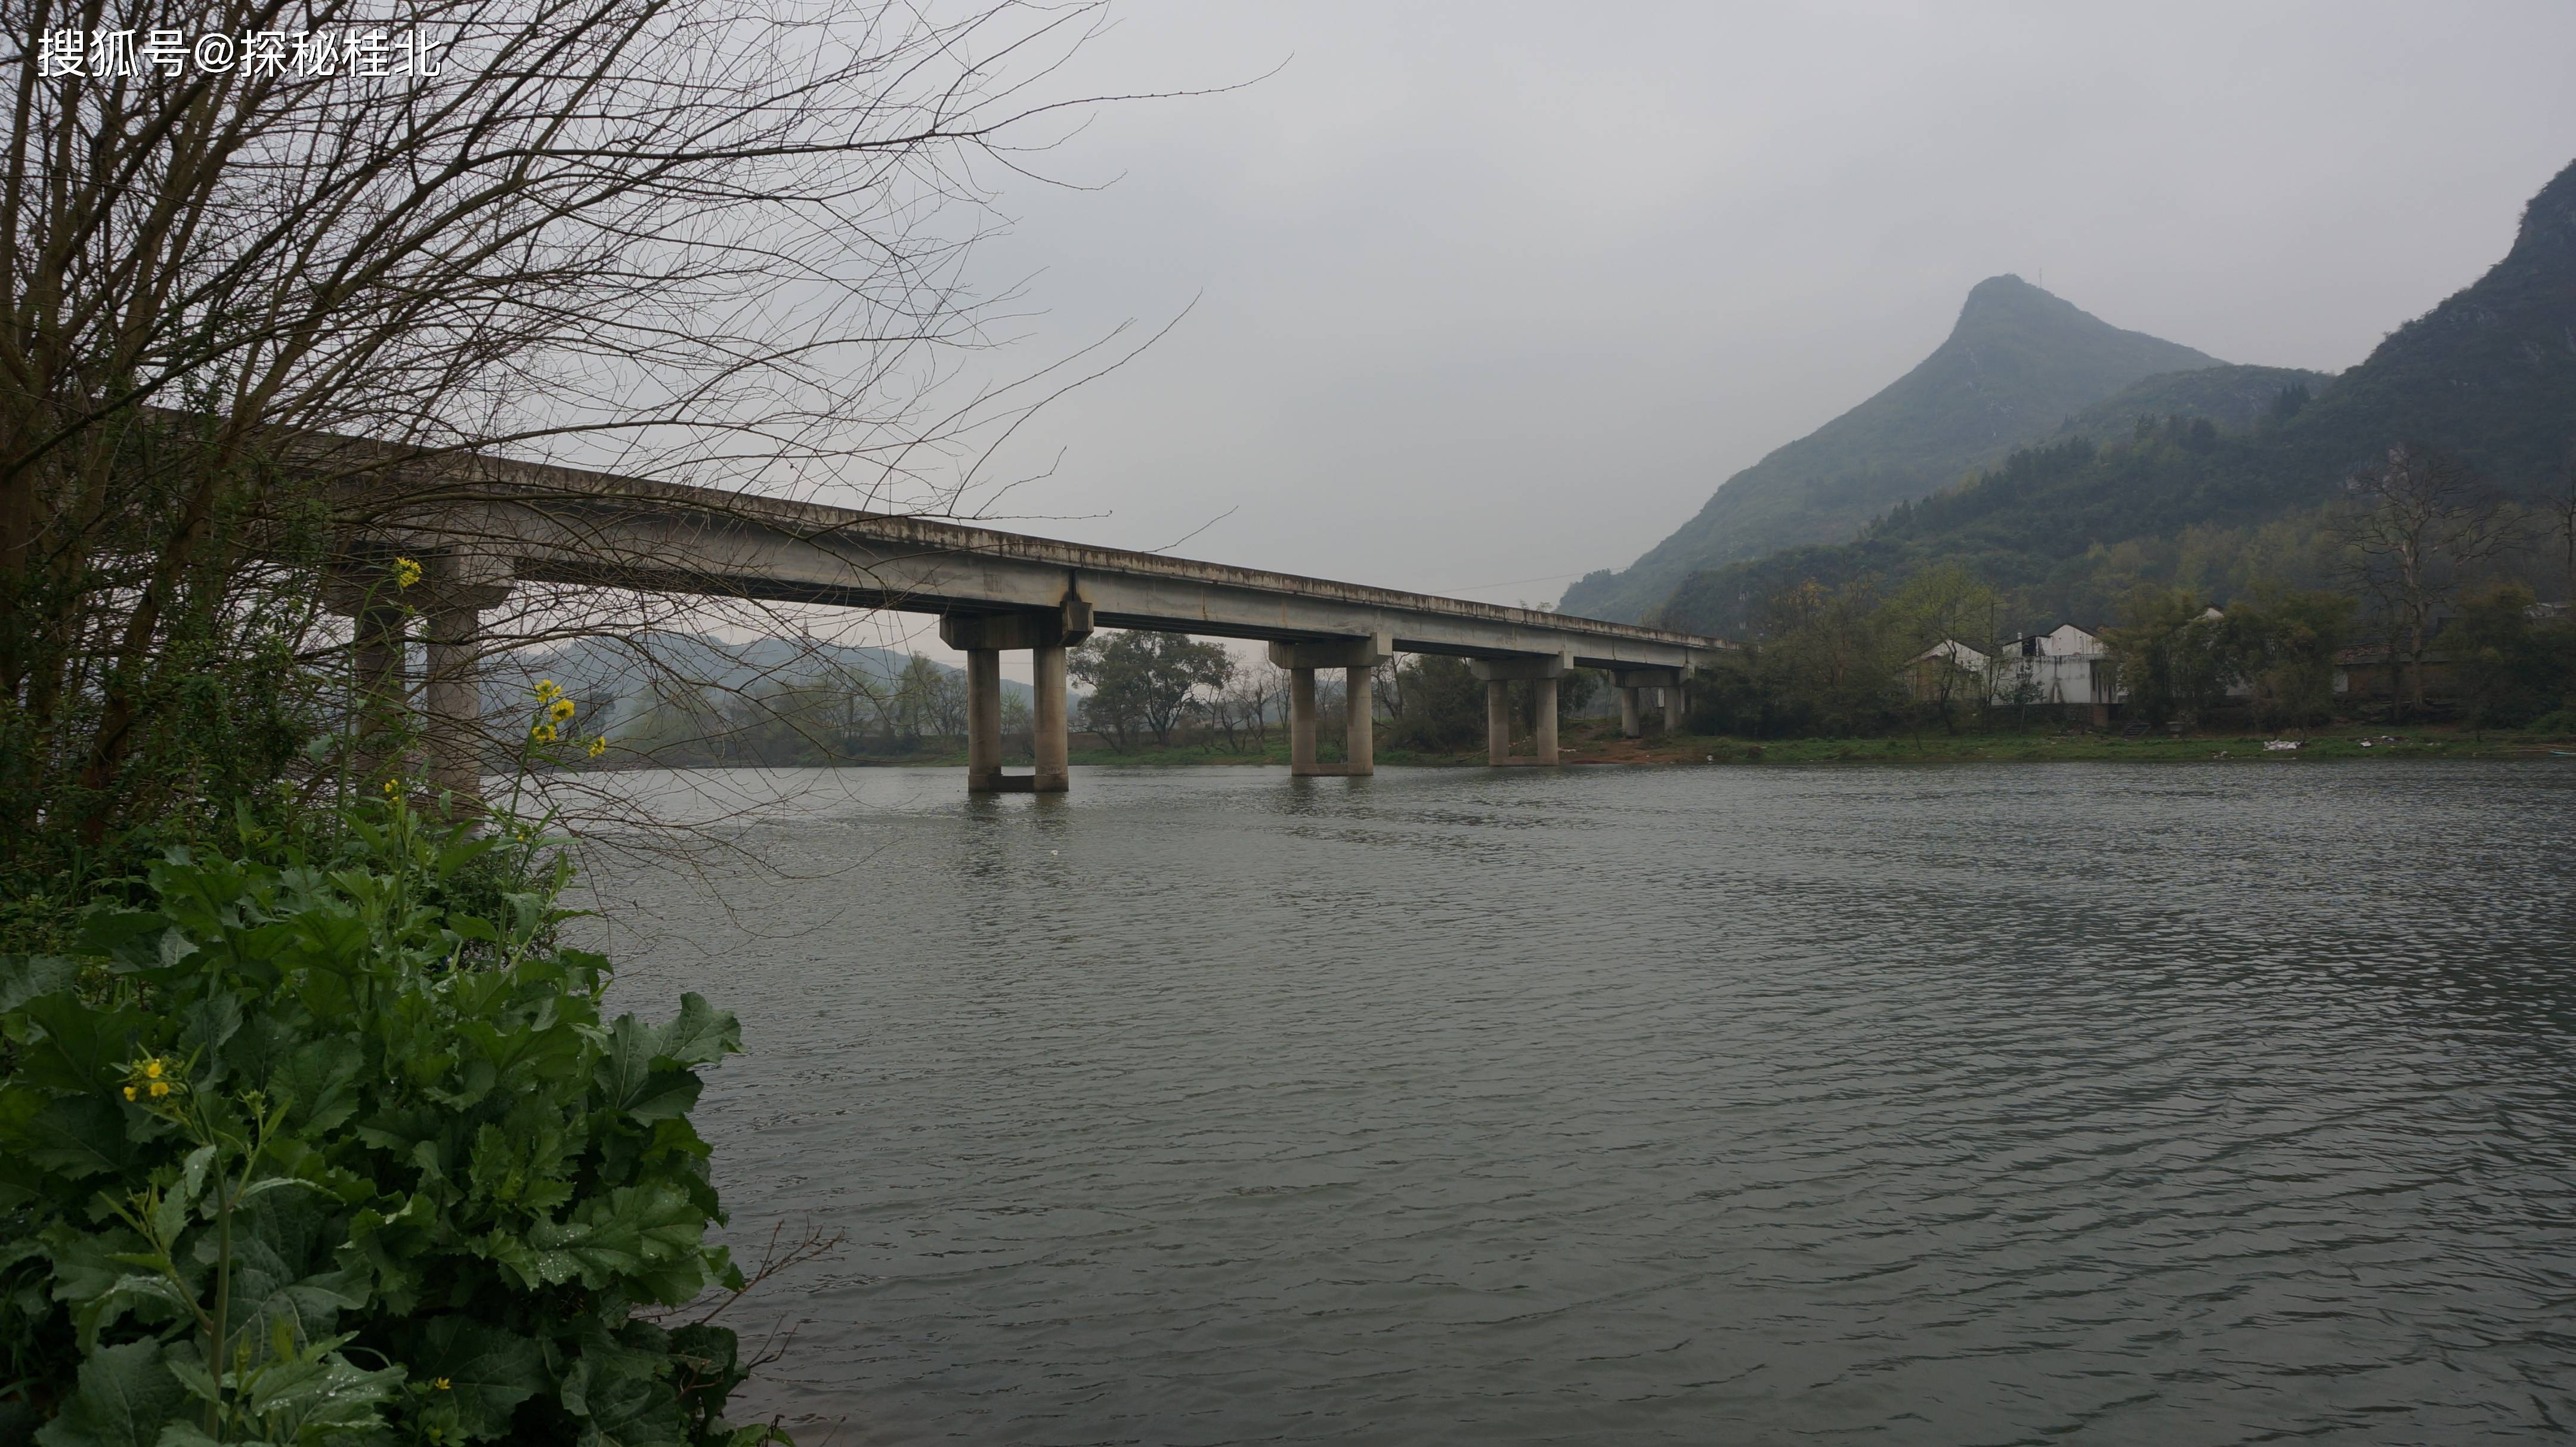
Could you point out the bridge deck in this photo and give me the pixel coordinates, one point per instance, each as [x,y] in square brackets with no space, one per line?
[567,525]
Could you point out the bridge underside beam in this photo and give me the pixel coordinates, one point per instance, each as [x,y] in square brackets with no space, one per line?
[660,554]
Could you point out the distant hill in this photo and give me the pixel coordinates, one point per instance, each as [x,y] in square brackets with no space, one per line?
[2488,376]
[2234,398]
[614,678]
[2016,366]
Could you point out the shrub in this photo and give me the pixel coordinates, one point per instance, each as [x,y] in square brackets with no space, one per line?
[307,1150]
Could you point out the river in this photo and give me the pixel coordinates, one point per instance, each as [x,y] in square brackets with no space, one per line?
[1976,1104]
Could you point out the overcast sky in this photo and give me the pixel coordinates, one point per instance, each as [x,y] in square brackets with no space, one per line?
[1490,295]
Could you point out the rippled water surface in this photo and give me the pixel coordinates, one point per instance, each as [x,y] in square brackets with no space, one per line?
[1978,1105]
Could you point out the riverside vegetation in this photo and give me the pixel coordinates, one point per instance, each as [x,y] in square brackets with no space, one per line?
[323,1137]
[319,1135]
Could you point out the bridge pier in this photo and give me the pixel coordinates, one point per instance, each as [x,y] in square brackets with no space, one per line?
[1499,674]
[1046,634]
[455,591]
[1358,658]
[1050,741]
[450,594]
[1632,684]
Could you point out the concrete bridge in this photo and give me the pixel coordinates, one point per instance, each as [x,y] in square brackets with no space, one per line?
[479,525]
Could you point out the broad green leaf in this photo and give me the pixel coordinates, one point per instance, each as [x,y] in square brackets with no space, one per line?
[83,1051]
[208,1023]
[473,927]
[623,1399]
[130,937]
[624,1070]
[332,1392]
[699,1035]
[619,1234]
[487,1371]
[85,1262]
[78,1135]
[667,1094]
[284,1266]
[123,1397]
[153,1297]
[24,977]
[318,1081]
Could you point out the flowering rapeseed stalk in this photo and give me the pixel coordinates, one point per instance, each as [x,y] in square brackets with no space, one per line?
[406,572]
[151,1077]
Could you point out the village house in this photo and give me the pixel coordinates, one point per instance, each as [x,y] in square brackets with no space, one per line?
[2067,668]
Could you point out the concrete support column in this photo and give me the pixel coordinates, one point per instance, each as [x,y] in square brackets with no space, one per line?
[1546,741]
[1633,682]
[1359,658]
[452,706]
[1048,741]
[983,720]
[1359,733]
[453,592]
[1301,721]
[1542,670]
[1046,633]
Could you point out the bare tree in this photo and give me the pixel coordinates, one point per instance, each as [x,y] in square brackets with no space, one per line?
[1934,614]
[2418,524]
[250,307]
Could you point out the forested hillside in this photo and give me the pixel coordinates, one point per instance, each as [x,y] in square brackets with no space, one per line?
[2018,364]
[2232,398]
[2189,495]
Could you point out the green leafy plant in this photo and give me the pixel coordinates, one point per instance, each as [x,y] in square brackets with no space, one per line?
[329,1142]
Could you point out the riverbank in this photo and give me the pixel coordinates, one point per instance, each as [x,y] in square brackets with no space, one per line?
[1596,741]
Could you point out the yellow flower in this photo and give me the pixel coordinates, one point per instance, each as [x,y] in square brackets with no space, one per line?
[160,1088]
[546,689]
[406,572]
[152,1070]
[129,1092]
[393,789]
[440,1384]
[559,710]
[599,746]
[543,733]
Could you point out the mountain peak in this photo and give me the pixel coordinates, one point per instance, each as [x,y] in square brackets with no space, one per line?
[2018,364]
[2007,300]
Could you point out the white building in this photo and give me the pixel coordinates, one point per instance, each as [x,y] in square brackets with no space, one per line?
[2066,668]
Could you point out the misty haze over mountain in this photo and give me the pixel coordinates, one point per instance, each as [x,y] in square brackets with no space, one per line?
[1485,301]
